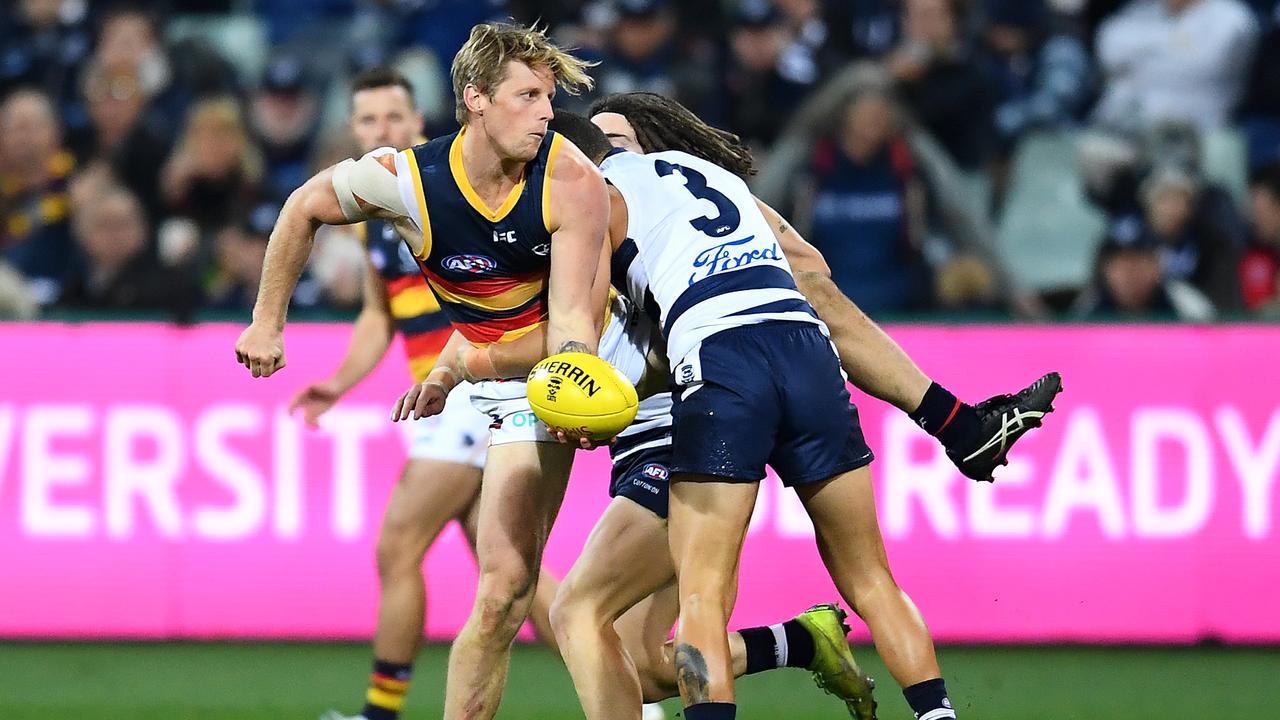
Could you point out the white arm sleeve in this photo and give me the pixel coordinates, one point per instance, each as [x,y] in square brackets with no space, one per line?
[372,182]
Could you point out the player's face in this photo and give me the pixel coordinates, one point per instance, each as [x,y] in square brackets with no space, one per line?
[618,130]
[384,117]
[516,117]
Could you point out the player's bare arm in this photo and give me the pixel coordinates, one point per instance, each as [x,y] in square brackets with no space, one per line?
[351,191]
[261,346]
[865,350]
[579,222]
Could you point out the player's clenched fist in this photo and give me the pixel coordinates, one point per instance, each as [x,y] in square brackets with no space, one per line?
[421,401]
[261,350]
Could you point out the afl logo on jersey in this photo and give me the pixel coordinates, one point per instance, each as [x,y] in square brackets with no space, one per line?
[469,263]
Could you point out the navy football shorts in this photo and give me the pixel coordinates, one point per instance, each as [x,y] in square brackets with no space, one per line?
[770,393]
[643,477]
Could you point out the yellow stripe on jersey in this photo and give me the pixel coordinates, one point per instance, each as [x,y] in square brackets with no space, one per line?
[510,335]
[608,310]
[420,366]
[556,141]
[413,301]
[464,184]
[416,173]
[509,300]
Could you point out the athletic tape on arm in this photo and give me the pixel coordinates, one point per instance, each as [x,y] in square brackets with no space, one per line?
[371,181]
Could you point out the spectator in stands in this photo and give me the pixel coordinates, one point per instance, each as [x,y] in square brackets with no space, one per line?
[1041,75]
[1174,60]
[212,175]
[239,250]
[43,45]
[644,52]
[1114,168]
[809,34]
[1260,267]
[130,43]
[34,173]
[762,84]
[285,123]
[444,25]
[1130,283]
[867,206]
[1192,249]
[941,82]
[120,136]
[118,272]
[863,29]
[1261,111]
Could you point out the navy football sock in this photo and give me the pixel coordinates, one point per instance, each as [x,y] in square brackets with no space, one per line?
[711,711]
[929,700]
[786,644]
[943,416]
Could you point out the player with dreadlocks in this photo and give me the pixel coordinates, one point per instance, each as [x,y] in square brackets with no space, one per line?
[977,438]
[645,122]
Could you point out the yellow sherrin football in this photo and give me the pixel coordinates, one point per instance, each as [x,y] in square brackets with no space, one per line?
[582,395]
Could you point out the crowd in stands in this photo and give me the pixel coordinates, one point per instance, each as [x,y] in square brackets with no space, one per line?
[146,147]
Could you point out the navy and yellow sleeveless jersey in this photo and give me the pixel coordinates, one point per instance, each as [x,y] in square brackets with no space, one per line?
[487,267]
[416,313]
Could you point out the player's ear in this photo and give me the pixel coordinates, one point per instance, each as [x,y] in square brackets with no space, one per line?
[475,99]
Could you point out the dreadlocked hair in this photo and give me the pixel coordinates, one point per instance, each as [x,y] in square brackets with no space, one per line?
[661,123]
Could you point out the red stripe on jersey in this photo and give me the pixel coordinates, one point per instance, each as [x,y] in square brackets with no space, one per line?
[427,343]
[404,282]
[493,330]
[487,287]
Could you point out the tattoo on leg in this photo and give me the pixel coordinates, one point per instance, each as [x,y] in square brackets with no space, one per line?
[691,674]
[573,346]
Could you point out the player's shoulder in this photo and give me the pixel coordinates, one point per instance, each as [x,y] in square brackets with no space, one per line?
[569,166]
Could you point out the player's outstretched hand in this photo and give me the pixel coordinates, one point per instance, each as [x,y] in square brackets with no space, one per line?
[315,400]
[261,349]
[420,401]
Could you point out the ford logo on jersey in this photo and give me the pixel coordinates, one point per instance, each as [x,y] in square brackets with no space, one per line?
[469,263]
[728,256]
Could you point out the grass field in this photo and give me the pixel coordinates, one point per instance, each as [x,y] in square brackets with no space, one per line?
[42,681]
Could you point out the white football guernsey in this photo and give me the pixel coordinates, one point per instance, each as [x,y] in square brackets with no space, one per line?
[709,256]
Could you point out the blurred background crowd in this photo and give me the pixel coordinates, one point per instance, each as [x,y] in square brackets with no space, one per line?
[1046,159]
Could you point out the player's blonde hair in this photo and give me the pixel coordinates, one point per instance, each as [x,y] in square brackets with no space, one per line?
[482,61]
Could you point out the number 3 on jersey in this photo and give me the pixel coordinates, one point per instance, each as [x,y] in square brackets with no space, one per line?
[728,218]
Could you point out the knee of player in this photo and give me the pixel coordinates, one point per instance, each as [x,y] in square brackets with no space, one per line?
[503,596]
[574,607]
[397,554]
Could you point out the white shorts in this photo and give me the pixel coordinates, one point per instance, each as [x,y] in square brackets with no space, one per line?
[459,434]
[625,343]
